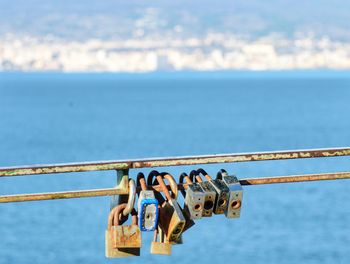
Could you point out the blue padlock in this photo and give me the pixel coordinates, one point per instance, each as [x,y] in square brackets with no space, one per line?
[148,210]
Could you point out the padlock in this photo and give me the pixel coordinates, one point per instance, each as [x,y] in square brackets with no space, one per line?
[233,208]
[126,236]
[122,241]
[209,192]
[194,197]
[147,206]
[162,247]
[171,218]
[221,190]
[174,192]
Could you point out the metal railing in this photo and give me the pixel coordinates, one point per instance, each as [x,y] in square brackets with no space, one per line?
[124,165]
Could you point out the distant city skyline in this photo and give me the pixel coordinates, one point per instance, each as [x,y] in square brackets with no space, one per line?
[144,36]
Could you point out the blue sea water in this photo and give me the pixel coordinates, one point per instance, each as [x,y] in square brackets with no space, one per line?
[53,118]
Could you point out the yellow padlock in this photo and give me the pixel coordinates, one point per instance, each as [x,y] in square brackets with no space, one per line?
[163,247]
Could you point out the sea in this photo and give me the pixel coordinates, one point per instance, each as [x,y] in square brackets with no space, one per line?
[57,117]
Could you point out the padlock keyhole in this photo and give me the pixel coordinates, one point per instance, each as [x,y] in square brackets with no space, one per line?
[197,207]
[177,230]
[208,205]
[236,204]
[222,202]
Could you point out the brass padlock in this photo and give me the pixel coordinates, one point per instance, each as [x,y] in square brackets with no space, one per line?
[122,241]
[209,191]
[126,236]
[233,208]
[174,189]
[221,190]
[194,197]
[171,218]
[162,247]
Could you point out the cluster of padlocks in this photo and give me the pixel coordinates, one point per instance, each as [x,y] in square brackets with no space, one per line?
[159,211]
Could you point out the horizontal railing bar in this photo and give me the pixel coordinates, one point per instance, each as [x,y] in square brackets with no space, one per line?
[61,195]
[119,191]
[175,161]
[296,178]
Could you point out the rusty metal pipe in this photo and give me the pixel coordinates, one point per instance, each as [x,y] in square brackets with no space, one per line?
[159,188]
[61,195]
[175,161]
[296,178]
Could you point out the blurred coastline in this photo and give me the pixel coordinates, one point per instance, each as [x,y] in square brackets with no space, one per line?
[213,52]
[142,36]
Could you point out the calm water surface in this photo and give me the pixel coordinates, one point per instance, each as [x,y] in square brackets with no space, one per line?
[56,118]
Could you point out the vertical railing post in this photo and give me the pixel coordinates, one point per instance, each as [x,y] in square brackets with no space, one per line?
[122,182]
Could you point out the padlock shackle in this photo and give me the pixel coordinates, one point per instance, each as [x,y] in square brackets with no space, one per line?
[141,181]
[221,173]
[159,179]
[163,187]
[111,216]
[151,175]
[155,234]
[158,195]
[134,217]
[118,212]
[194,177]
[161,235]
[172,183]
[185,177]
[158,233]
[204,173]
[131,199]
[181,180]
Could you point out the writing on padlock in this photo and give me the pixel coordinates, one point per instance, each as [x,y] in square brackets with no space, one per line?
[147,206]
[126,236]
[171,218]
[233,208]
[221,190]
[194,197]
[161,247]
[209,193]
